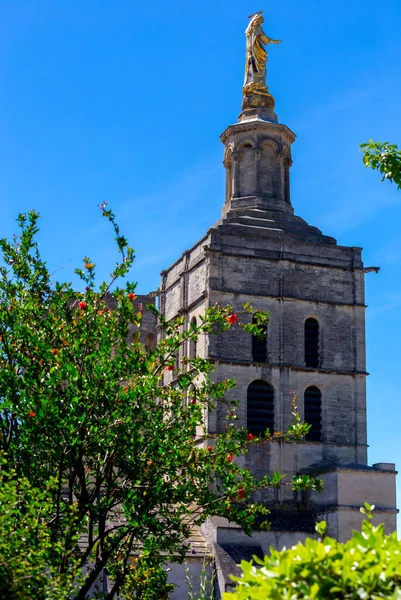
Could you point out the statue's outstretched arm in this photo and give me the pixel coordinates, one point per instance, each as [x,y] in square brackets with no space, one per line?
[271,41]
[267,40]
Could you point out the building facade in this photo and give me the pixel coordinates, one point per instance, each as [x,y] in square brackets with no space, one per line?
[262,253]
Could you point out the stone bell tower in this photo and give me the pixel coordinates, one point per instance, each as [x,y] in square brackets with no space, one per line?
[260,252]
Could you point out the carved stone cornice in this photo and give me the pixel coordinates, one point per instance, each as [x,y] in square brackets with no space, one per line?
[265,126]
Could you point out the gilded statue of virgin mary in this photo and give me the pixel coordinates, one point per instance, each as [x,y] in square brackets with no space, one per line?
[256,56]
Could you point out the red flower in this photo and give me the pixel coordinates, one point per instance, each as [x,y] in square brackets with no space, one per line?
[89,266]
[230,457]
[82,305]
[54,351]
[250,437]
[210,448]
[170,368]
[87,289]
[232,319]
[131,296]
[241,492]
[276,433]
[193,401]
[31,414]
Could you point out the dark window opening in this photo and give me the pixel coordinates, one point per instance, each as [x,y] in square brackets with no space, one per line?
[313,413]
[151,341]
[312,343]
[260,408]
[193,343]
[259,345]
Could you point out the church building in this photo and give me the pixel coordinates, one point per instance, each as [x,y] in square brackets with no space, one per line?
[262,253]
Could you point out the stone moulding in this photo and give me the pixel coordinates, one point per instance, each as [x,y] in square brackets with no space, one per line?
[272,128]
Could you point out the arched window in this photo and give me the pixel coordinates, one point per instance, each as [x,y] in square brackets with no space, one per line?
[247,171]
[260,405]
[192,343]
[311,343]
[259,345]
[313,413]
[150,341]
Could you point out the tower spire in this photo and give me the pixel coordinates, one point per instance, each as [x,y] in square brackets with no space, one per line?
[257,153]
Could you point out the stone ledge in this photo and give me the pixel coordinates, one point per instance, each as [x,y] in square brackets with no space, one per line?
[286,366]
[286,298]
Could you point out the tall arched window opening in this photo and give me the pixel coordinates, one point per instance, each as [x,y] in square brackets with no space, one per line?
[150,341]
[312,343]
[193,343]
[259,344]
[247,171]
[313,413]
[177,361]
[260,407]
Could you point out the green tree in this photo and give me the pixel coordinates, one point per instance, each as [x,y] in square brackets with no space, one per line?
[384,157]
[26,548]
[86,414]
[368,566]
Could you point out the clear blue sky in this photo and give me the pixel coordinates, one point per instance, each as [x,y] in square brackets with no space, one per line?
[125,100]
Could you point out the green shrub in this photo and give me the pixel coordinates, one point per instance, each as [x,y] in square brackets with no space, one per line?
[368,566]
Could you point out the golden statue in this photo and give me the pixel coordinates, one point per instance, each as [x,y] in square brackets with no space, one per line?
[256,57]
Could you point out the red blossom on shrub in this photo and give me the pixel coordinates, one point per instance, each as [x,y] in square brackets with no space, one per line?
[250,437]
[170,368]
[230,457]
[241,492]
[232,319]
[131,296]
[82,305]
[210,448]
[31,414]
[54,351]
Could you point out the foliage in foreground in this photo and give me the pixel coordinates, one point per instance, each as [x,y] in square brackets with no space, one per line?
[25,542]
[367,567]
[384,157]
[111,431]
